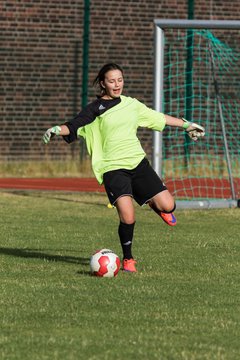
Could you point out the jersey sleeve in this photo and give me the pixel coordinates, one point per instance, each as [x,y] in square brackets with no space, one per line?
[150,118]
[85,117]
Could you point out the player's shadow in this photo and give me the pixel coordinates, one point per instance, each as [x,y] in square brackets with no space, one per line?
[36,194]
[38,254]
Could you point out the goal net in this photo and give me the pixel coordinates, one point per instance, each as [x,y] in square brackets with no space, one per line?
[197,77]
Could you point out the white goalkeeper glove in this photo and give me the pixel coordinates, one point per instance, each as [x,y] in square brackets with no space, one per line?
[193,130]
[55,130]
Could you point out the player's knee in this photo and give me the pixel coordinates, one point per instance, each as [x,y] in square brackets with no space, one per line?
[127,216]
[128,219]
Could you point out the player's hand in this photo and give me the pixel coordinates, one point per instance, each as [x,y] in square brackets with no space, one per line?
[193,130]
[55,130]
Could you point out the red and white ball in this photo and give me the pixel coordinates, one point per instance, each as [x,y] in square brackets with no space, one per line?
[105,263]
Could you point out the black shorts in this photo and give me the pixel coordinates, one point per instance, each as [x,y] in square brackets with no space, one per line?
[141,183]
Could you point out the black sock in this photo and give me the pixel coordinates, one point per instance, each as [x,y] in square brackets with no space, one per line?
[125,232]
[154,208]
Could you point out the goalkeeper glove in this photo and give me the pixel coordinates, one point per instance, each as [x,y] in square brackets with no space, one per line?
[193,130]
[55,130]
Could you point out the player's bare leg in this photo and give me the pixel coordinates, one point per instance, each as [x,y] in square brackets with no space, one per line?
[125,208]
[163,204]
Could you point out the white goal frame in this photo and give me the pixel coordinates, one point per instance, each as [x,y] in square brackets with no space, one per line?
[159,27]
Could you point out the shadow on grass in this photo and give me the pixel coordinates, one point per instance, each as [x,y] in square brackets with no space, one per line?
[37,254]
[42,194]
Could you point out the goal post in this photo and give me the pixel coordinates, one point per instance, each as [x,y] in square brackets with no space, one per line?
[204,174]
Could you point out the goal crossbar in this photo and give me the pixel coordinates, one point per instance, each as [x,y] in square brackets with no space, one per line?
[197,24]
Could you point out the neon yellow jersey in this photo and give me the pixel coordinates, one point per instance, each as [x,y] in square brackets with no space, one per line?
[112,137]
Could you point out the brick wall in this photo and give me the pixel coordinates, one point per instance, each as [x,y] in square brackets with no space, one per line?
[39,44]
[41,61]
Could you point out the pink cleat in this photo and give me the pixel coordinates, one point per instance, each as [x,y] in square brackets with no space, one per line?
[129,265]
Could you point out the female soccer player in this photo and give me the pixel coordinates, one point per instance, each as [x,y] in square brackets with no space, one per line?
[109,125]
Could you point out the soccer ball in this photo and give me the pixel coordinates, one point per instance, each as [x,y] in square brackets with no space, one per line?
[104,263]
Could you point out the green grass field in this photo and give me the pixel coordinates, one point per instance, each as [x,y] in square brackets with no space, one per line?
[182,304]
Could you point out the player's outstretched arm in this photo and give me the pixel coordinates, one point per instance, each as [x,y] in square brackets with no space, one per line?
[55,130]
[193,130]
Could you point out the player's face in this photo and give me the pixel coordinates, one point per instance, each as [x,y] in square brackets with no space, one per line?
[113,84]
